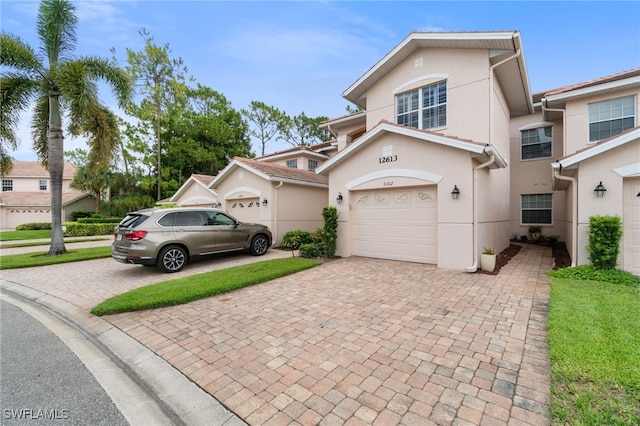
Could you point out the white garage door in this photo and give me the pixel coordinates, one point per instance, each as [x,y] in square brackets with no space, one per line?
[631,219]
[398,224]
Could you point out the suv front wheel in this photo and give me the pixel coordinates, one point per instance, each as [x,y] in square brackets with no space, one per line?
[172,259]
[259,245]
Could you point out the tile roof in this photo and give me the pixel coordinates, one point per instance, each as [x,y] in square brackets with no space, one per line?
[309,148]
[278,171]
[599,143]
[602,80]
[37,199]
[203,179]
[33,169]
[430,132]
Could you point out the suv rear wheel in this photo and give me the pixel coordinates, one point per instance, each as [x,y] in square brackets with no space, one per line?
[172,259]
[259,245]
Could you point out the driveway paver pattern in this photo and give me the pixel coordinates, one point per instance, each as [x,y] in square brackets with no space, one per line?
[370,342]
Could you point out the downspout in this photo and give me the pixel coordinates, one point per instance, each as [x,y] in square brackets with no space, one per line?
[564,124]
[275,213]
[473,268]
[574,214]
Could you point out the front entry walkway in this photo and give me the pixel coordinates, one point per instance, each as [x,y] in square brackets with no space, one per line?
[366,341]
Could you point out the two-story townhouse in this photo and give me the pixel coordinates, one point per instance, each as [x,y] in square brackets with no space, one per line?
[26,195]
[428,181]
[597,171]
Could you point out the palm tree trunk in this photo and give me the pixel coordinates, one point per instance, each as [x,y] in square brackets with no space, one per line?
[55,160]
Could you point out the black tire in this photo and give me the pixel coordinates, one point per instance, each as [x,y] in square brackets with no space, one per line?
[172,259]
[259,245]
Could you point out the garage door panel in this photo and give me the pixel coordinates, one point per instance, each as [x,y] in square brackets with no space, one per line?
[396,224]
[631,221]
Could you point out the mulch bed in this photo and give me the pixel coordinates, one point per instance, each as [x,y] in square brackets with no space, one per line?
[559,251]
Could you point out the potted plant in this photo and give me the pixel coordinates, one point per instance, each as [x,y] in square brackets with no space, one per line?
[488,259]
[535,232]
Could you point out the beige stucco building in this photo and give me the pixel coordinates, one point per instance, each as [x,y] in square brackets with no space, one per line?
[26,195]
[451,152]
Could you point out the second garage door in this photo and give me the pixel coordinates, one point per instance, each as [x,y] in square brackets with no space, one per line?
[398,224]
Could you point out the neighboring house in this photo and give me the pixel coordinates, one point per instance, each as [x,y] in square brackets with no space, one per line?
[449,112]
[26,195]
[283,198]
[302,157]
[195,192]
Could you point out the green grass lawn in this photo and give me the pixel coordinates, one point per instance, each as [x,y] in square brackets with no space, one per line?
[188,289]
[40,258]
[24,235]
[594,348]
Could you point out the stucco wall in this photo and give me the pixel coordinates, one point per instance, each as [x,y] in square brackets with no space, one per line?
[196,195]
[466,74]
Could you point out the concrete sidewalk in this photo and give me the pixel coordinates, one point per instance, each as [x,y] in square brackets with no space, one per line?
[354,341]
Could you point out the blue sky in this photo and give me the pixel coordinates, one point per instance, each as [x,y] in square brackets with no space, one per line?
[301,55]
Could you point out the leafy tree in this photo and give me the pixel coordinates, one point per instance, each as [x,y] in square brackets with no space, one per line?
[203,132]
[305,131]
[159,80]
[268,122]
[57,82]
[92,179]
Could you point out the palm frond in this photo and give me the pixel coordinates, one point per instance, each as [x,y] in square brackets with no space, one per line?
[16,92]
[39,127]
[57,29]
[120,82]
[102,128]
[19,56]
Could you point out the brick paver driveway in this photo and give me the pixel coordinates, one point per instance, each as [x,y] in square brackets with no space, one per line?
[365,341]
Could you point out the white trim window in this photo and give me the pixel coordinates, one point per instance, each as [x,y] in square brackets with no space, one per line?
[611,117]
[42,185]
[424,108]
[7,185]
[536,143]
[536,209]
[312,165]
[292,164]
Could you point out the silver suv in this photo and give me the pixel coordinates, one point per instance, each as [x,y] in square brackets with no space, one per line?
[169,238]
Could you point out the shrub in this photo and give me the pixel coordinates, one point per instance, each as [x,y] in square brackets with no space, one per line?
[34,226]
[591,273]
[330,230]
[100,220]
[310,251]
[88,229]
[80,214]
[292,240]
[605,233]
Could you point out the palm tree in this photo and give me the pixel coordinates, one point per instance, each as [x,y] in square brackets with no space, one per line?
[66,85]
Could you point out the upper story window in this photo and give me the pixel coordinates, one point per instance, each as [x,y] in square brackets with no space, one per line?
[42,185]
[292,164]
[313,164]
[424,108]
[612,117]
[536,209]
[7,185]
[536,143]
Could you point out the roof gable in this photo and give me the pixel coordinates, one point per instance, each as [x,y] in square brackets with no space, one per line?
[498,43]
[272,172]
[386,127]
[601,147]
[204,181]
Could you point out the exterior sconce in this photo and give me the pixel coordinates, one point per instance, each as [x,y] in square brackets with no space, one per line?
[339,198]
[218,205]
[455,194]
[264,203]
[600,190]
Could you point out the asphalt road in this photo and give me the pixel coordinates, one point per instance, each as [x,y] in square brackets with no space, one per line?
[43,382]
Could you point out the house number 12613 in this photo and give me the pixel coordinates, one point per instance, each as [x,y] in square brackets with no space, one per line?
[388,159]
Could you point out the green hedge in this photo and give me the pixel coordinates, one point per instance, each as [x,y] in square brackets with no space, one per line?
[605,233]
[34,226]
[99,220]
[74,229]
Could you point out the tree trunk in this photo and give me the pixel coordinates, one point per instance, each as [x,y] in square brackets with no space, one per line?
[56,169]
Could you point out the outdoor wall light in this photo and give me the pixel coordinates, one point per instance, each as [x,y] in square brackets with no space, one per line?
[218,205]
[339,198]
[264,203]
[455,194]
[600,190]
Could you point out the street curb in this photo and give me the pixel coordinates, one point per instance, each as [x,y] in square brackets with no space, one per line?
[169,391]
